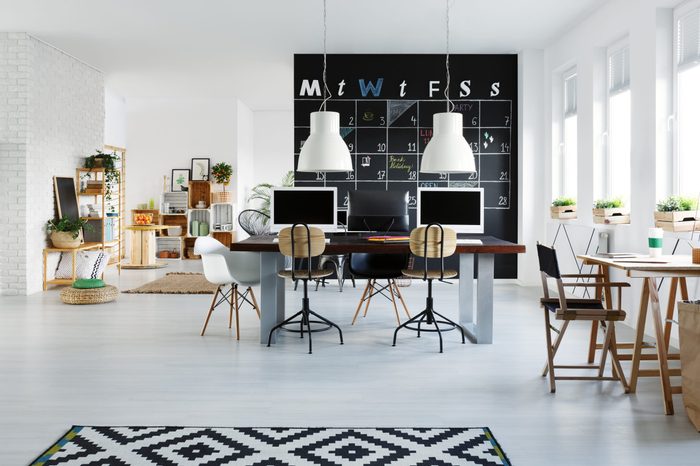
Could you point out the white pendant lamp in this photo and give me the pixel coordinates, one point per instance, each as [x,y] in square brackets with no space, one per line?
[448,151]
[324,150]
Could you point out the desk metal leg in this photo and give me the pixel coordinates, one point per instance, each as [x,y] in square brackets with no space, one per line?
[480,332]
[271,294]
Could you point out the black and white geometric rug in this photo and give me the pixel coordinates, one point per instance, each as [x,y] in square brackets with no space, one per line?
[250,446]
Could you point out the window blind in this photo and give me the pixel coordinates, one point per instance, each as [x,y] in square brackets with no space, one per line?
[619,70]
[570,95]
[688,30]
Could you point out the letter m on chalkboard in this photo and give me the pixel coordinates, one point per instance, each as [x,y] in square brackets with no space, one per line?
[310,88]
[367,87]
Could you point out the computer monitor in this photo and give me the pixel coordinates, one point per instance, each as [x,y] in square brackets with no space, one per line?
[461,209]
[378,211]
[313,206]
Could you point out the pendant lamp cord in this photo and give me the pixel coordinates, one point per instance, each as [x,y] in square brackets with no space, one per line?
[326,91]
[450,104]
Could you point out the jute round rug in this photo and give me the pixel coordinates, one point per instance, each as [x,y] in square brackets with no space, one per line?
[177,283]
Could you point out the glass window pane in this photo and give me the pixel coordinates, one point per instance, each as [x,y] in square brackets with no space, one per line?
[569,169]
[689,131]
[619,145]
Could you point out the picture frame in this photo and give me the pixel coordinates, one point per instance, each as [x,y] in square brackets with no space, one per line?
[180,179]
[200,169]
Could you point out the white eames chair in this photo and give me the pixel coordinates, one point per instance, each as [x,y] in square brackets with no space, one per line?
[229,269]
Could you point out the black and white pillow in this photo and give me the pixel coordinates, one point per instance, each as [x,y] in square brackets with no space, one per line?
[89,264]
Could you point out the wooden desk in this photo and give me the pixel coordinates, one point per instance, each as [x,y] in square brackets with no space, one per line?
[677,268]
[74,253]
[478,325]
[143,247]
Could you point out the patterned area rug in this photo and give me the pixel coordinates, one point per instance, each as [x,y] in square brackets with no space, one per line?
[214,446]
[177,283]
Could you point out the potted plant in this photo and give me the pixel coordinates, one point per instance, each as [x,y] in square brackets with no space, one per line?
[262,193]
[676,213]
[610,211]
[563,208]
[222,172]
[107,163]
[66,233]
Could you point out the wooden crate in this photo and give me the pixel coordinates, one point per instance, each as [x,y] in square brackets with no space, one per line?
[188,253]
[611,212]
[564,212]
[174,220]
[612,220]
[224,237]
[680,216]
[690,225]
[199,191]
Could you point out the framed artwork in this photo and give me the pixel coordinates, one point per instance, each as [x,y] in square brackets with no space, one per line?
[180,179]
[200,169]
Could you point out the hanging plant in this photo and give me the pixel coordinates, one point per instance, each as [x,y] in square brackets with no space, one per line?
[222,172]
[111,171]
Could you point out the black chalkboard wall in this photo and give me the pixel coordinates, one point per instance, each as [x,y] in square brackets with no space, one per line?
[386,105]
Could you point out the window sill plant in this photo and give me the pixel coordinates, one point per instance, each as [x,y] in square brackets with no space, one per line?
[676,213]
[610,211]
[563,208]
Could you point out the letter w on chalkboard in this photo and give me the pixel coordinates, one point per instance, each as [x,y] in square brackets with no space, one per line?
[369,86]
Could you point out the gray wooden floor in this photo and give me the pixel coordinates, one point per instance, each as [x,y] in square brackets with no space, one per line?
[141,361]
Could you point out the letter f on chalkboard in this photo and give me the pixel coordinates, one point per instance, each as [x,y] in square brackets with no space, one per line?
[367,87]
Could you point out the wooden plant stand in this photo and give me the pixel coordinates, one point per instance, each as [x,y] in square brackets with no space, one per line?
[680,221]
[614,216]
[564,212]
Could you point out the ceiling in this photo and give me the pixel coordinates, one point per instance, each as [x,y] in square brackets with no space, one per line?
[233,48]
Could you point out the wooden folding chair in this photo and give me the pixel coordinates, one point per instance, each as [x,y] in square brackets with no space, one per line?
[568,309]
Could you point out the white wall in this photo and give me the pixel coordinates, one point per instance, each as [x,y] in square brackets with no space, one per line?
[56,116]
[273,150]
[244,166]
[115,119]
[167,133]
[647,24]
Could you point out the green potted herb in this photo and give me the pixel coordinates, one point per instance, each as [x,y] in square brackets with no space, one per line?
[108,163]
[66,233]
[222,172]
[676,213]
[611,210]
[563,208]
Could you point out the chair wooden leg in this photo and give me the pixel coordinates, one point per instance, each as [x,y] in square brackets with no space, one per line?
[234,296]
[371,283]
[393,301]
[359,305]
[255,301]
[614,357]
[550,353]
[557,342]
[235,299]
[398,293]
[211,309]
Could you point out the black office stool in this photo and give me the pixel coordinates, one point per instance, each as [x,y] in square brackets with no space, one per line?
[431,242]
[302,241]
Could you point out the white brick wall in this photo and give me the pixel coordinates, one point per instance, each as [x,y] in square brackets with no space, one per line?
[51,115]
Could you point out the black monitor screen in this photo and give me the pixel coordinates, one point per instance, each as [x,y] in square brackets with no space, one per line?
[450,207]
[314,207]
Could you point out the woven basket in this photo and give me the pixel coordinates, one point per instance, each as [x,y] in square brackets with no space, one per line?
[221,197]
[70,295]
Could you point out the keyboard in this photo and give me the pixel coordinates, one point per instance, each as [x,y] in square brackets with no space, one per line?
[468,241]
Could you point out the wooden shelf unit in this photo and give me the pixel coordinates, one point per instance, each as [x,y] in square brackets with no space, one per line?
[74,254]
[199,191]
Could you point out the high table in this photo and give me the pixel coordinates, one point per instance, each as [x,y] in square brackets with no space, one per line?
[478,325]
[675,267]
[143,247]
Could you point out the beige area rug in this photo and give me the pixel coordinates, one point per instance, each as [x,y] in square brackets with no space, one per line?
[177,283]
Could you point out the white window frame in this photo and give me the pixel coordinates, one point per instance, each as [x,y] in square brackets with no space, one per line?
[678,12]
[570,72]
[611,50]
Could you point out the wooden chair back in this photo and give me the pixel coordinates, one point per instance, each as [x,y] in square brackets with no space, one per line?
[301,241]
[549,268]
[433,241]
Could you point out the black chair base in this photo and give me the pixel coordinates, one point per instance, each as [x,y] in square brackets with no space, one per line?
[305,320]
[428,316]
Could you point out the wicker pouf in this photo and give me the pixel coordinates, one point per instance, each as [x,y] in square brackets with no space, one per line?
[70,295]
